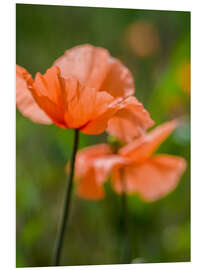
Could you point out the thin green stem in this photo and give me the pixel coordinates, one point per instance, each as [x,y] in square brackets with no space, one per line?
[66,208]
[125,222]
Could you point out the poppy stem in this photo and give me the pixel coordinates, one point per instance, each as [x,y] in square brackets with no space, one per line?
[125,222]
[66,208]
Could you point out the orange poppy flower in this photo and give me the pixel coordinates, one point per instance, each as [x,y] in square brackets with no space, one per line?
[83,90]
[134,169]
[94,67]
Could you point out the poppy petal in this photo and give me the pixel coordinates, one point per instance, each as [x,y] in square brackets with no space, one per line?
[122,179]
[88,188]
[49,85]
[130,122]
[119,80]
[83,104]
[154,178]
[24,99]
[94,172]
[142,148]
[104,165]
[86,63]
[85,157]
[102,115]
[48,93]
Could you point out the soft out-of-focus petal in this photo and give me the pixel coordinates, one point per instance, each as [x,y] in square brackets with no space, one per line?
[142,148]
[157,177]
[130,122]
[85,157]
[88,188]
[86,63]
[122,179]
[104,165]
[119,80]
[83,104]
[93,170]
[24,99]
[152,179]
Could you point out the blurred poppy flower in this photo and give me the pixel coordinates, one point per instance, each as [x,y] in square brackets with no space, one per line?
[142,38]
[83,90]
[134,169]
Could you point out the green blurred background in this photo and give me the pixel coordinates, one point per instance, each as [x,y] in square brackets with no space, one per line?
[155,46]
